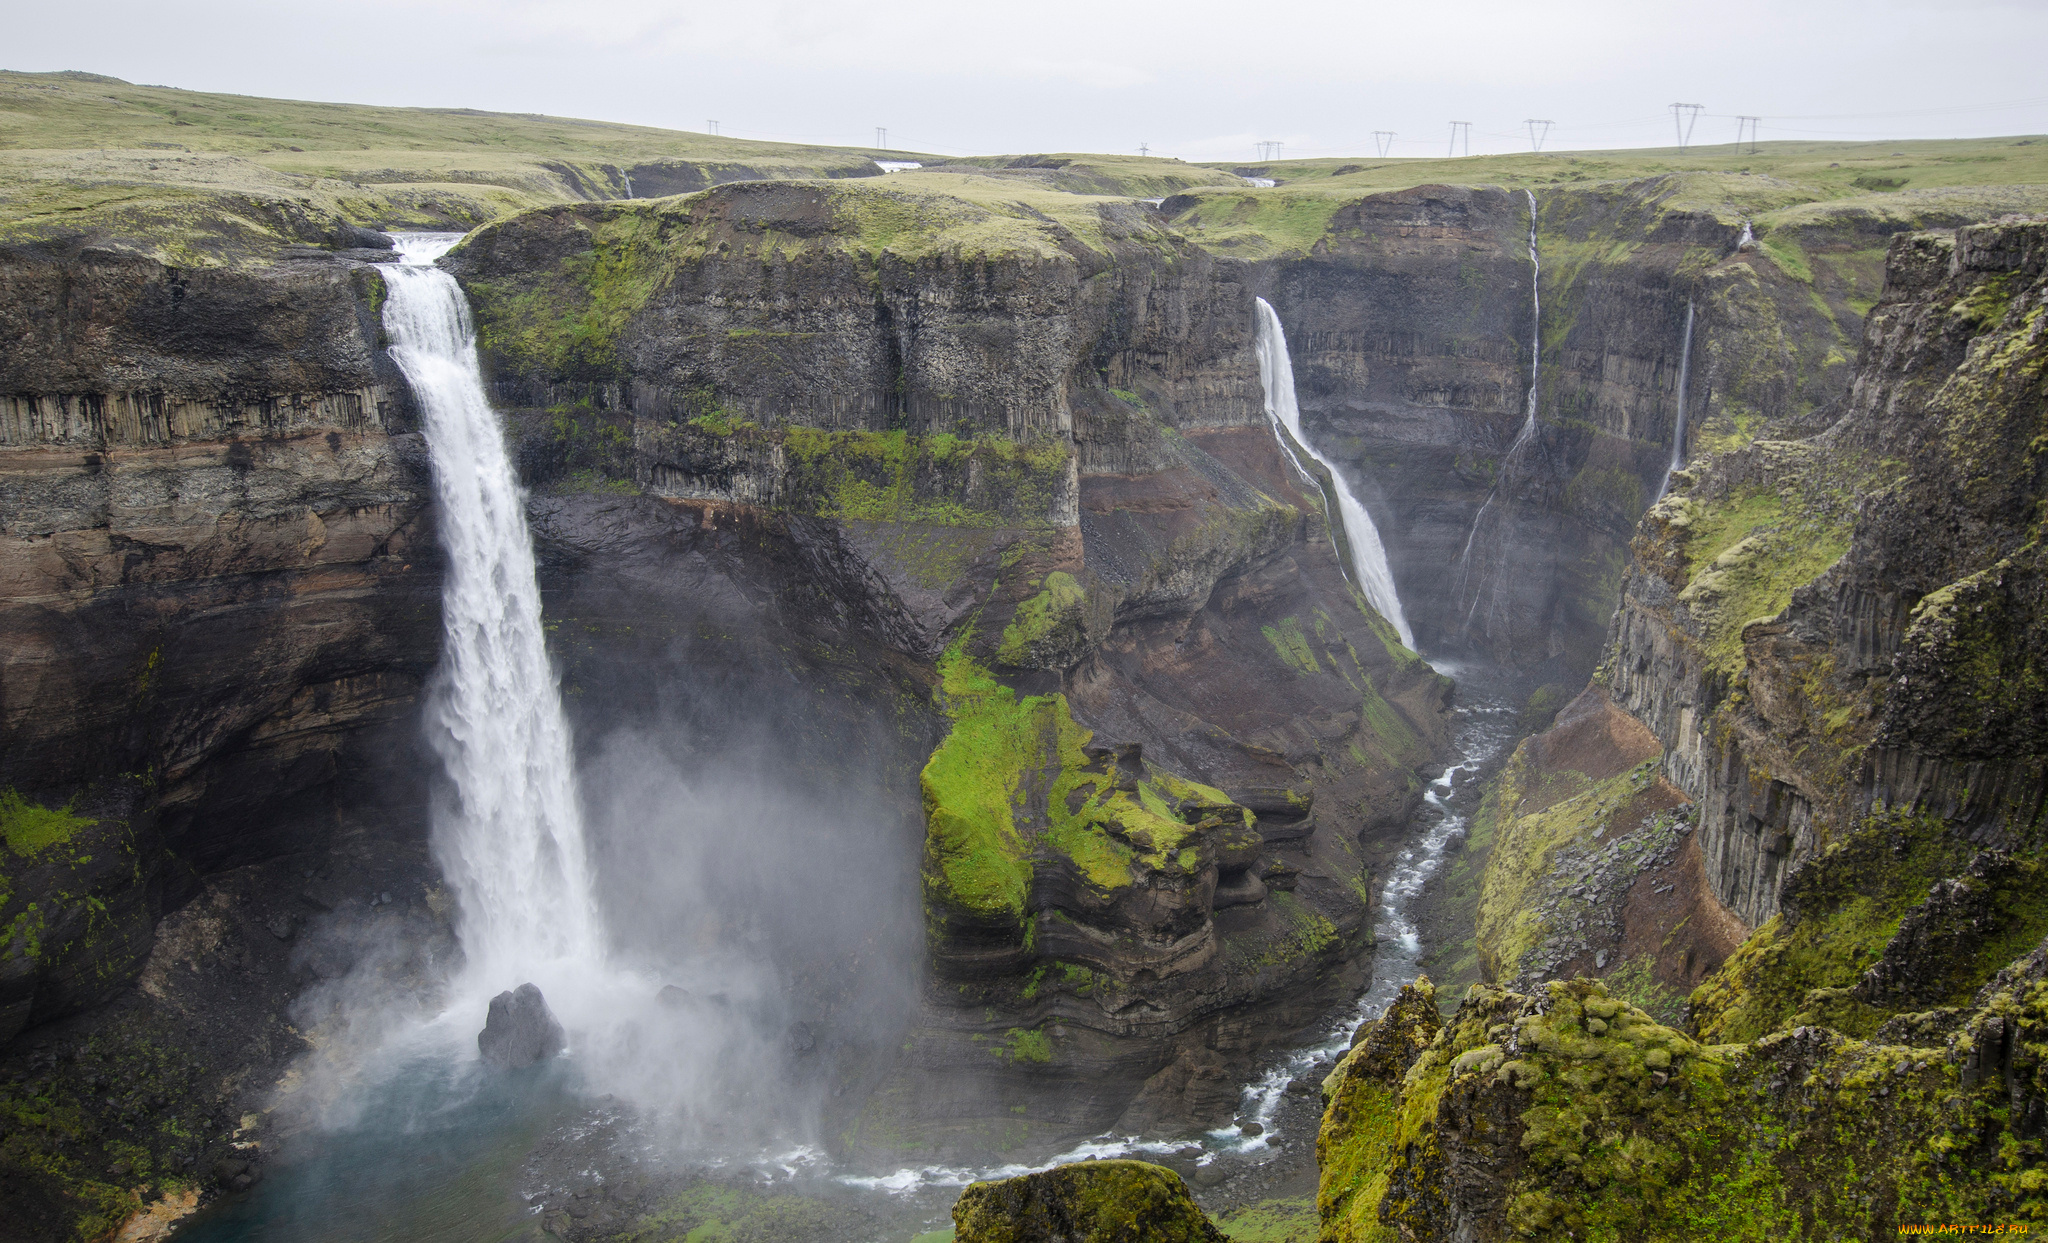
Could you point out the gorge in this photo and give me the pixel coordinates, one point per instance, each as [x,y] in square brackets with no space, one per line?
[939,673]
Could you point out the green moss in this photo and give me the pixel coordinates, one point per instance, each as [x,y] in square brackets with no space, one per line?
[1788,255]
[1271,1221]
[1843,908]
[1053,608]
[1745,557]
[1012,783]
[891,477]
[1636,983]
[1115,1201]
[1628,1129]
[1519,870]
[1028,1046]
[1292,646]
[1258,224]
[28,829]
[717,1213]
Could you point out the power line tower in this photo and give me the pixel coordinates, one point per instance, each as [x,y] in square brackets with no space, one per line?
[1384,139]
[1455,127]
[882,137]
[1144,148]
[1269,151]
[1536,135]
[1749,123]
[712,126]
[1683,117]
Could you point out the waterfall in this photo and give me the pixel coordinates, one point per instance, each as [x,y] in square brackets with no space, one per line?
[1535,330]
[510,839]
[1510,462]
[1678,423]
[1368,556]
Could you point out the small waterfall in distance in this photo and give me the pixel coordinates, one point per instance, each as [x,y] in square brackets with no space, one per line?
[1523,437]
[1368,555]
[1678,422]
[510,839]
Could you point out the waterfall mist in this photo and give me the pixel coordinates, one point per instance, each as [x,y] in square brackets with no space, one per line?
[1369,566]
[722,916]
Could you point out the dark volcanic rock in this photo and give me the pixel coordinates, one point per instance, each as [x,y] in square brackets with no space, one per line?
[520,1031]
[1089,1202]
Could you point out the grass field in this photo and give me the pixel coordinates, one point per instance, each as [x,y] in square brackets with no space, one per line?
[202,178]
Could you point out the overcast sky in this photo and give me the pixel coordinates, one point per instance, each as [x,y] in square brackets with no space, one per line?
[1193,78]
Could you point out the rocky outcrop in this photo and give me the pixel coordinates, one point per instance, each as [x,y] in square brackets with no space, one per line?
[1092,1202]
[519,1031]
[1592,868]
[1792,628]
[1571,1114]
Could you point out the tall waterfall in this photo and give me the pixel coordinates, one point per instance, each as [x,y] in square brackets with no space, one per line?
[1535,329]
[1678,421]
[510,840]
[1368,555]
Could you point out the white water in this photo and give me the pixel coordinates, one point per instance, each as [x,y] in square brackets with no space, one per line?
[510,837]
[1535,330]
[1678,423]
[1368,556]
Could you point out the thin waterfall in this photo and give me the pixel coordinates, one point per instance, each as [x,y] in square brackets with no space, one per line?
[510,839]
[1678,422]
[1535,330]
[1368,556]
[1522,438]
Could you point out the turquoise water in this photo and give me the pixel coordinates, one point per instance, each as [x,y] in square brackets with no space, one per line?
[432,1156]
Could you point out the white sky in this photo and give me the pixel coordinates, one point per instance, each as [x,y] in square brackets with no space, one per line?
[1193,78]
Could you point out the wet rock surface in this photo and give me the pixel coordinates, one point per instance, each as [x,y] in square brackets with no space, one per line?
[519,1031]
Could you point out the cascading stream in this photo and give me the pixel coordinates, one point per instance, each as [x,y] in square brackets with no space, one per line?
[1535,330]
[510,838]
[1368,555]
[1678,421]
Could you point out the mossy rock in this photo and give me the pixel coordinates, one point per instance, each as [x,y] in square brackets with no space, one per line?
[1088,1202]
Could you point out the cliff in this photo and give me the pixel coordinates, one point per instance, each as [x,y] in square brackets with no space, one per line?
[1821,667]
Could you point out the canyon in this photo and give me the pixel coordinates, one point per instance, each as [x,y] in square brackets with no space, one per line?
[951,633]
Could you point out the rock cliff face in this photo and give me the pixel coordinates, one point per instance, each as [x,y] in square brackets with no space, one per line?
[1829,641]
[1414,322]
[219,599]
[1820,627]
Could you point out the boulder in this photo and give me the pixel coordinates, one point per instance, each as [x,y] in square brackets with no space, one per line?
[1088,1202]
[520,1030]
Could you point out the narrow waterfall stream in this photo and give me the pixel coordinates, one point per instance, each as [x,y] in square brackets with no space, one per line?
[1678,418]
[510,837]
[1483,588]
[1368,555]
[1535,330]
